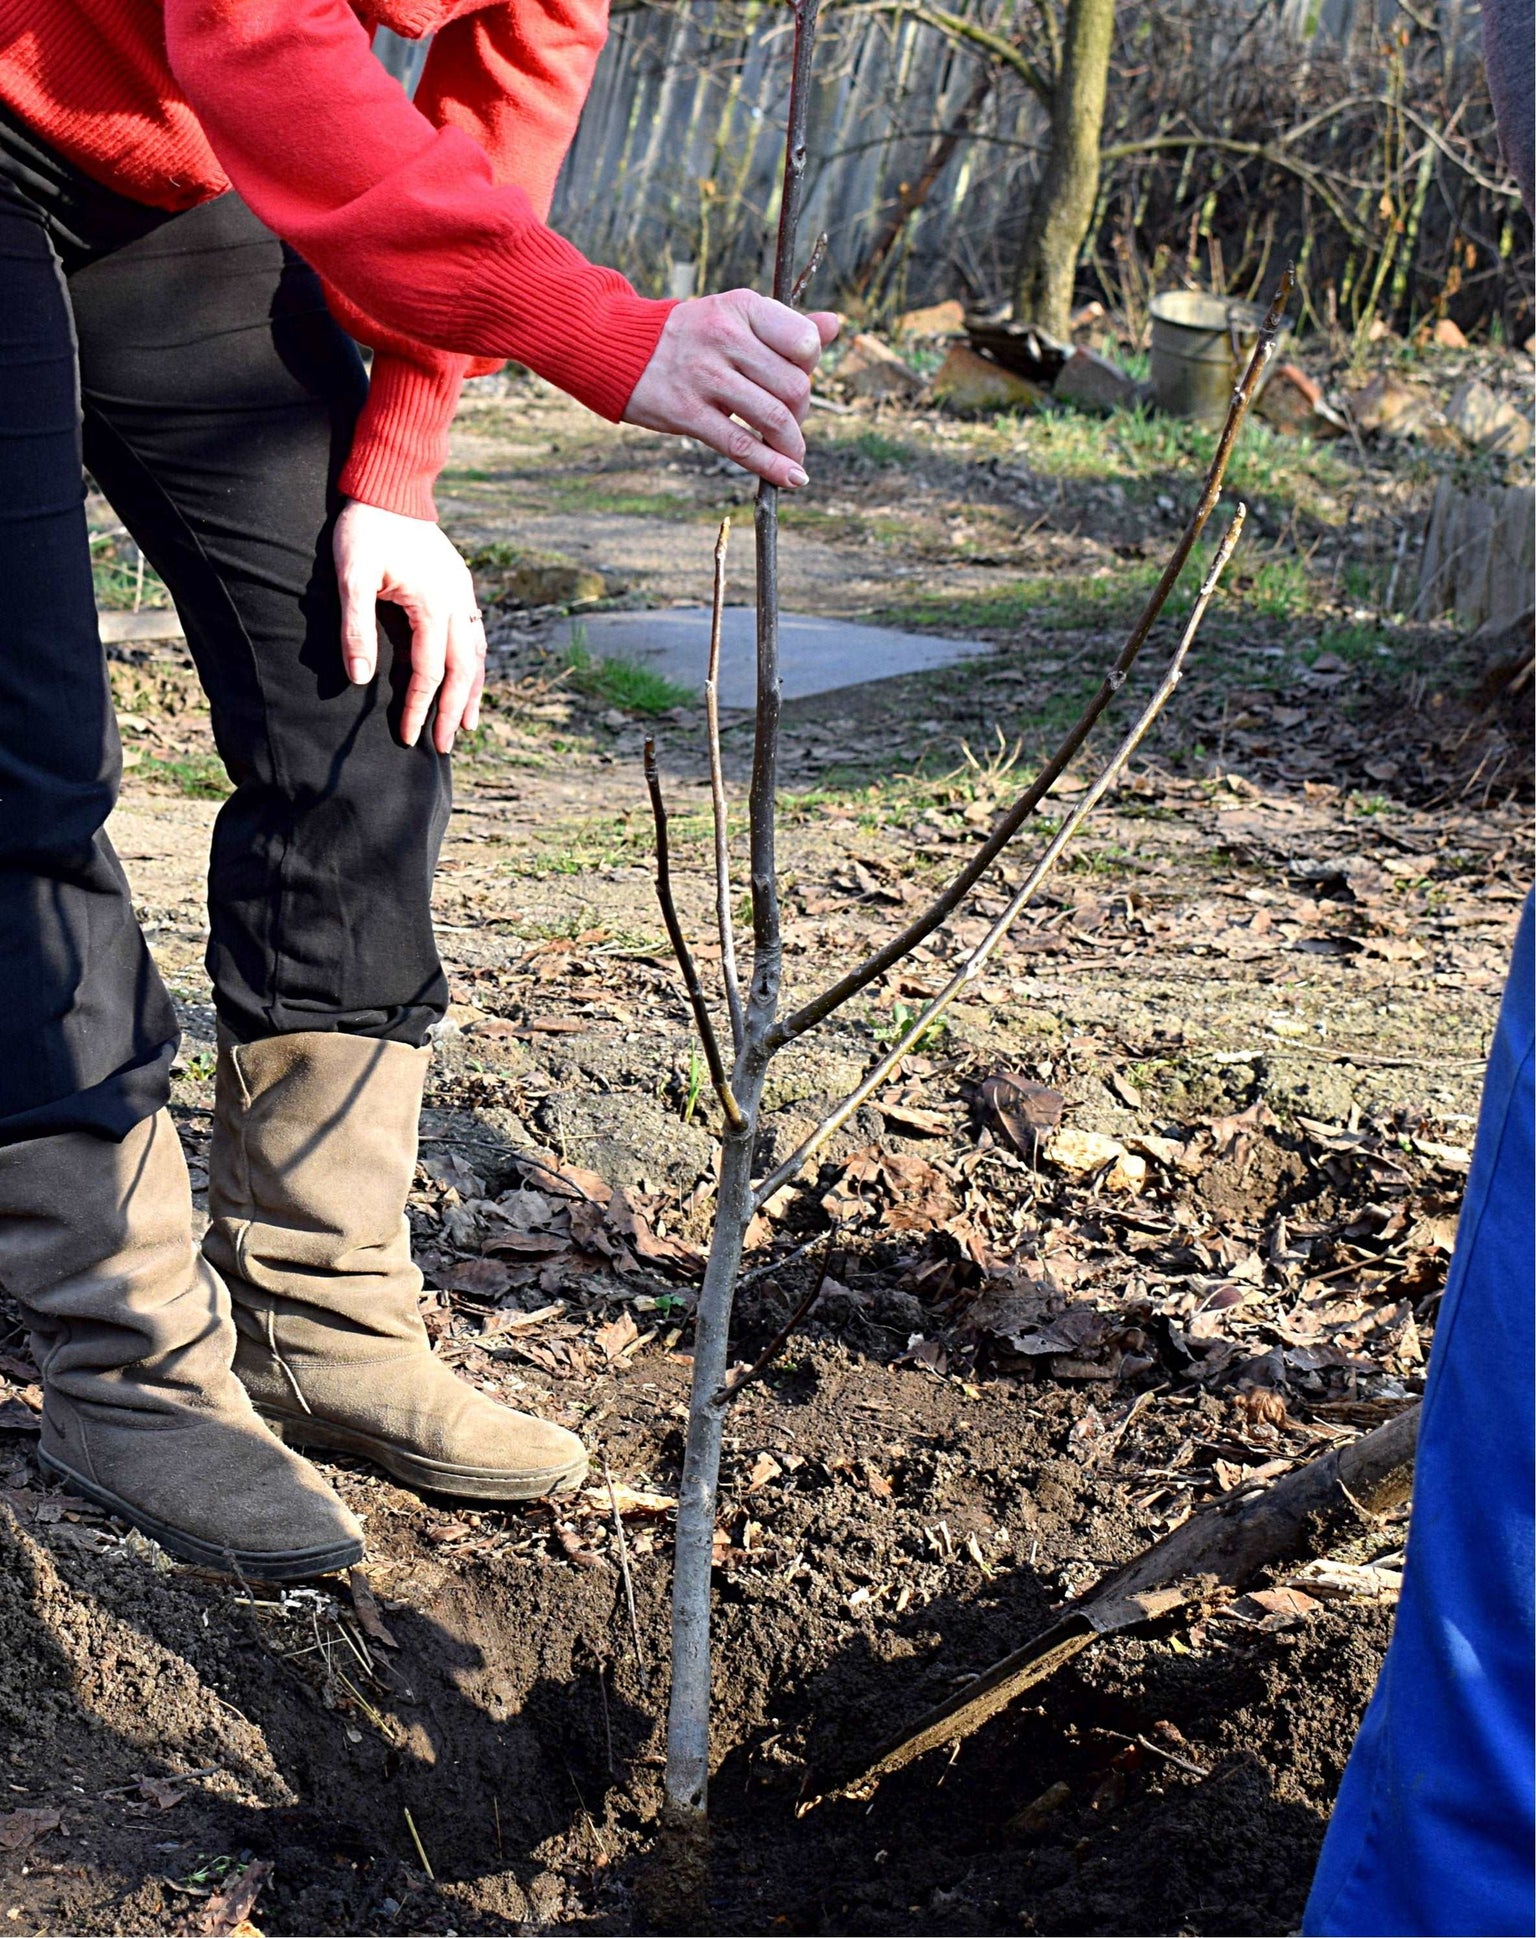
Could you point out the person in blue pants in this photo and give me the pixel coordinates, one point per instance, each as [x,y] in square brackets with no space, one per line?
[1433,1831]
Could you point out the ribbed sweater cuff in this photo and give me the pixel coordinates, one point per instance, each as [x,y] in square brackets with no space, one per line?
[401,442]
[580,326]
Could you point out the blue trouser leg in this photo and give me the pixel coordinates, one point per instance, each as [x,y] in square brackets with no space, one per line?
[1433,1829]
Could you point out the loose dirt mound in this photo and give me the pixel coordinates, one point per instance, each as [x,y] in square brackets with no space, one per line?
[181,1730]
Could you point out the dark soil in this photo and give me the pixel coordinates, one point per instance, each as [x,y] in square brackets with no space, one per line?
[511,1724]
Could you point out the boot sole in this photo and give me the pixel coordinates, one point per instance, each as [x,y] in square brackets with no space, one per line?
[430,1476]
[294,1564]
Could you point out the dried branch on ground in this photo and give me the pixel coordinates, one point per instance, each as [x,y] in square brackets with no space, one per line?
[1223,1548]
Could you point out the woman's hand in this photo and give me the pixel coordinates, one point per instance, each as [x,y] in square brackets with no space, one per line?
[411,563]
[737,355]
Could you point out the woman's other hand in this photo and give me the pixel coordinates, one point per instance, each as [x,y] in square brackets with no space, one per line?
[739,355]
[411,563]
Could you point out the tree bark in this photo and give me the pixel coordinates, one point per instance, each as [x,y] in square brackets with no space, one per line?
[1064,199]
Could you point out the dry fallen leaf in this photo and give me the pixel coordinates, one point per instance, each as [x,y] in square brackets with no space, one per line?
[616,1335]
[1125,1090]
[526,1244]
[1036,1816]
[227,1911]
[764,1469]
[366,1608]
[509,1320]
[631,1224]
[589,1229]
[19,1828]
[1282,1606]
[1228,1131]
[1263,1407]
[631,1500]
[921,1123]
[483,1278]
[1025,1112]
[921,1196]
[1081,1152]
[575,1548]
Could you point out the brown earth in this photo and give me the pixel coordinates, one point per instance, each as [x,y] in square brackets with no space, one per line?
[1269,972]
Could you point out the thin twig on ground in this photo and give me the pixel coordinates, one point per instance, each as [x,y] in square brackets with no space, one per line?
[421,1849]
[629,1584]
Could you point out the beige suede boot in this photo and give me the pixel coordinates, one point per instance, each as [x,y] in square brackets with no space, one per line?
[314,1150]
[131,1329]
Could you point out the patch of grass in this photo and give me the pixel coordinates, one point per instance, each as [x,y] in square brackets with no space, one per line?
[123,579]
[1048,602]
[1138,447]
[1365,584]
[1277,587]
[695,1084]
[609,841]
[1384,648]
[889,1029]
[624,683]
[1107,860]
[880,449]
[579,494]
[200,777]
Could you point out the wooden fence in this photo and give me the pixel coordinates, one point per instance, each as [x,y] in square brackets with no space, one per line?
[1257,128]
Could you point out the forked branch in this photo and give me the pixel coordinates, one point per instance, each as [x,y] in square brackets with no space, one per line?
[900,946]
[976,961]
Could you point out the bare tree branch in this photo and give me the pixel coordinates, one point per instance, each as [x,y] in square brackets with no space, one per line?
[970,970]
[997,47]
[680,948]
[892,952]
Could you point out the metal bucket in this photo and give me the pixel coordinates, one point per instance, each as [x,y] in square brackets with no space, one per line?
[1200,345]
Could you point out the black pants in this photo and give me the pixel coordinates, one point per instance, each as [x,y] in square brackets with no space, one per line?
[190,363]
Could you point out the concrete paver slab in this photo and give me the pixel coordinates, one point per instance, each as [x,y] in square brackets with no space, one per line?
[815,655]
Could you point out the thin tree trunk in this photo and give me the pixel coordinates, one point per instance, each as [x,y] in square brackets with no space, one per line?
[686,1811]
[1063,204]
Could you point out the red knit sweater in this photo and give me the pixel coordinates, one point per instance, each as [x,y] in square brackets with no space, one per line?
[426,221]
